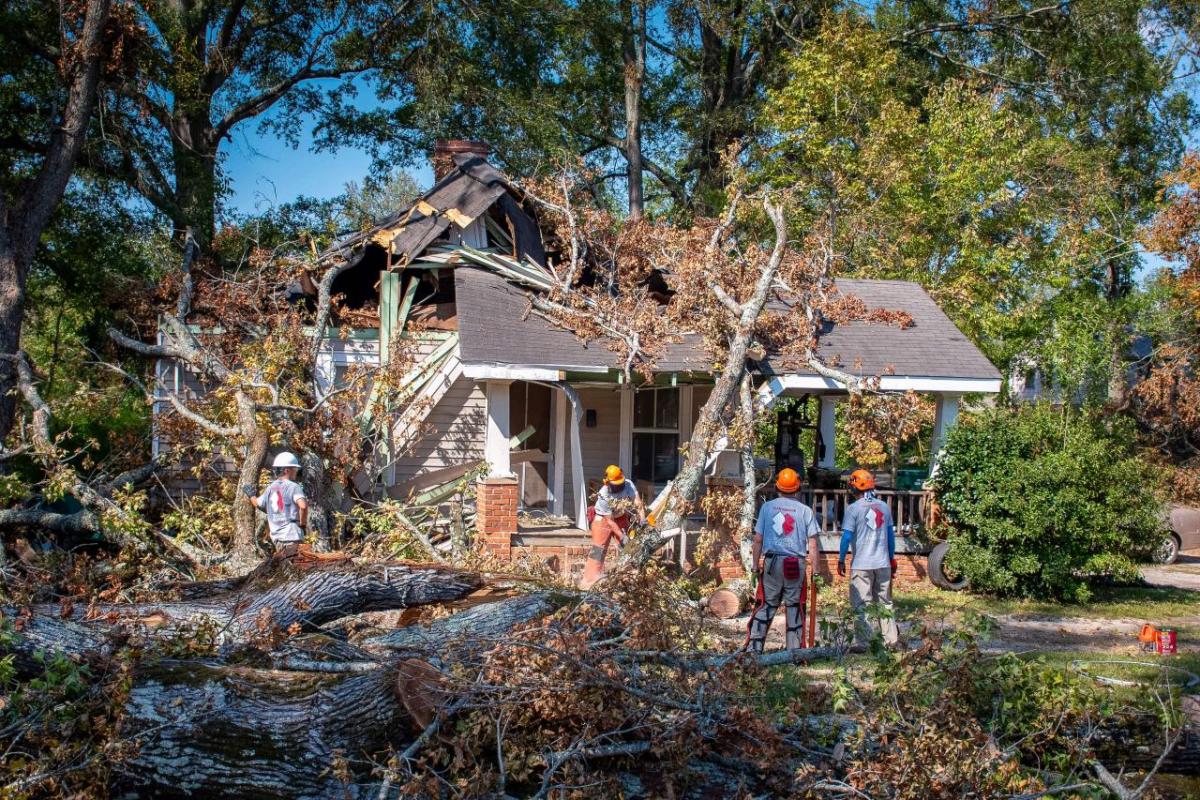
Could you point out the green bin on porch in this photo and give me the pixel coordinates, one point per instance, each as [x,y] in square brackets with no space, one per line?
[909,479]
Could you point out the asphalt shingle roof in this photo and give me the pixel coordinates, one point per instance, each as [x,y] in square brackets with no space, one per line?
[495,328]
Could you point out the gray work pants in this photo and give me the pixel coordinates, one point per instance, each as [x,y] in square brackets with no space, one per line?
[774,591]
[873,586]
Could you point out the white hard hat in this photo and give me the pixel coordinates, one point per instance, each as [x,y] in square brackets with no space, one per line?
[286,459]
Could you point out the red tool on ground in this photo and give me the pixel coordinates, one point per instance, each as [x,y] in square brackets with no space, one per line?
[810,637]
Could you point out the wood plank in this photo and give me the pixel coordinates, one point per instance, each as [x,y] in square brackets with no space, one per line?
[406,302]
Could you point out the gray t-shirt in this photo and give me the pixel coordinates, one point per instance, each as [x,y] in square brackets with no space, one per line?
[607,494]
[785,525]
[869,521]
[283,514]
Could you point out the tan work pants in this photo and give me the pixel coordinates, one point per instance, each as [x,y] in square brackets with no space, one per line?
[602,536]
[873,586]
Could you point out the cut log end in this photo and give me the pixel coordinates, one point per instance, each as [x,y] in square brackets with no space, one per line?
[730,600]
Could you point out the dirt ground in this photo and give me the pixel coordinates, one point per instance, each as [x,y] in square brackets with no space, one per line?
[1183,574]
[1044,632]
[1023,633]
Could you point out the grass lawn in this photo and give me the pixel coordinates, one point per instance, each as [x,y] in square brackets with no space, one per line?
[1091,663]
[1109,602]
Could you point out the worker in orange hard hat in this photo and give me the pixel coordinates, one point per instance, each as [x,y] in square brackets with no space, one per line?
[785,533]
[615,501]
[868,528]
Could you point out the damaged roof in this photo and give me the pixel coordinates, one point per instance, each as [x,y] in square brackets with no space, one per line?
[496,330]
[460,197]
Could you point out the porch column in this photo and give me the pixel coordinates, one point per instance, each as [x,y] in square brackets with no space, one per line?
[499,431]
[828,456]
[558,455]
[575,417]
[625,445]
[943,421]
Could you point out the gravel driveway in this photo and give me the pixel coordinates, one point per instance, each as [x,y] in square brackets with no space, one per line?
[1183,574]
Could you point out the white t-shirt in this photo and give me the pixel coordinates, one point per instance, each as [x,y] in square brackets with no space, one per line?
[785,525]
[869,521]
[607,494]
[283,513]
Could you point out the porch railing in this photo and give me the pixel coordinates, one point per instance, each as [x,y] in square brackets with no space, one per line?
[910,509]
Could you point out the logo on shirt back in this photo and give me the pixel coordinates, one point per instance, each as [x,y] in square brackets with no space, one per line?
[874,518]
[784,523]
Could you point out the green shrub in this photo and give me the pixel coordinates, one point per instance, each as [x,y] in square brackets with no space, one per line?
[1041,500]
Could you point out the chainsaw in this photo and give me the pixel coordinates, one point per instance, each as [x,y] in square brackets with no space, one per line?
[635,530]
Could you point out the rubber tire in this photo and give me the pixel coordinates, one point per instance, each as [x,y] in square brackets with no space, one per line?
[937,570]
[1165,556]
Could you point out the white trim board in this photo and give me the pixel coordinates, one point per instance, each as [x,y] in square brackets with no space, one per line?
[891,383]
[514,372]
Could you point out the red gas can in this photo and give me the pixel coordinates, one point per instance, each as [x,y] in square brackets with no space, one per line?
[1166,643]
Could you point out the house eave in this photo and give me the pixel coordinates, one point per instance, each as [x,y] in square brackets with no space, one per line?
[893,383]
[514,372]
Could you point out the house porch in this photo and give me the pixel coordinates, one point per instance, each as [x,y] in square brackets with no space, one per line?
[547,491]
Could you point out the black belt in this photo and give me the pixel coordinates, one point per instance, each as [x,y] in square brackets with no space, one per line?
[781,555]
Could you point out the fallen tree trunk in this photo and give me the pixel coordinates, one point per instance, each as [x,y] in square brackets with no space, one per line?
[215,728]
[43,634]
[317,596]
[1126,749]
[481,623]
[207,730]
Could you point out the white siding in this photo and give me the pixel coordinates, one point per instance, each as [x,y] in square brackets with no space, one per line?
[453,433]
[601,444]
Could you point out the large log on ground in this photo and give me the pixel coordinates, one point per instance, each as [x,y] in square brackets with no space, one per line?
[37,634]
[482,623]
[1132,748]
[730,599]
[208,730]
[325,595]
[307,601]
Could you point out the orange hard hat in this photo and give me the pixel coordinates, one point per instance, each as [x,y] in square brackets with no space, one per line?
[862,480]
[787,481]
[614,475]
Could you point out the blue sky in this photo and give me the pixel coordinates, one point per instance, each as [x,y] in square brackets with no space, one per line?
[266,171]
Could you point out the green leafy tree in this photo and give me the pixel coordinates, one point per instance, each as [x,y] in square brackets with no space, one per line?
[951,177]
[1042,499]
[1110,76]
[206,69]
[650,93]
[46,103]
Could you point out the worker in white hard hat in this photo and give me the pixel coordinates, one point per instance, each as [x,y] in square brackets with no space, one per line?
[283,501]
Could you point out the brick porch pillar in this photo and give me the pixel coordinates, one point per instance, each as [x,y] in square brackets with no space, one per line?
[496,515]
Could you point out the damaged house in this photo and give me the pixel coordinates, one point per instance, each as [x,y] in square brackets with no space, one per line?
[499,386]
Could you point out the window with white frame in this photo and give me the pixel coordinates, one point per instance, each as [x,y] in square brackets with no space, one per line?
[655,435]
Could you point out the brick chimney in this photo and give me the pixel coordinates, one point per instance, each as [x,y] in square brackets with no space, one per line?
[444,149]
